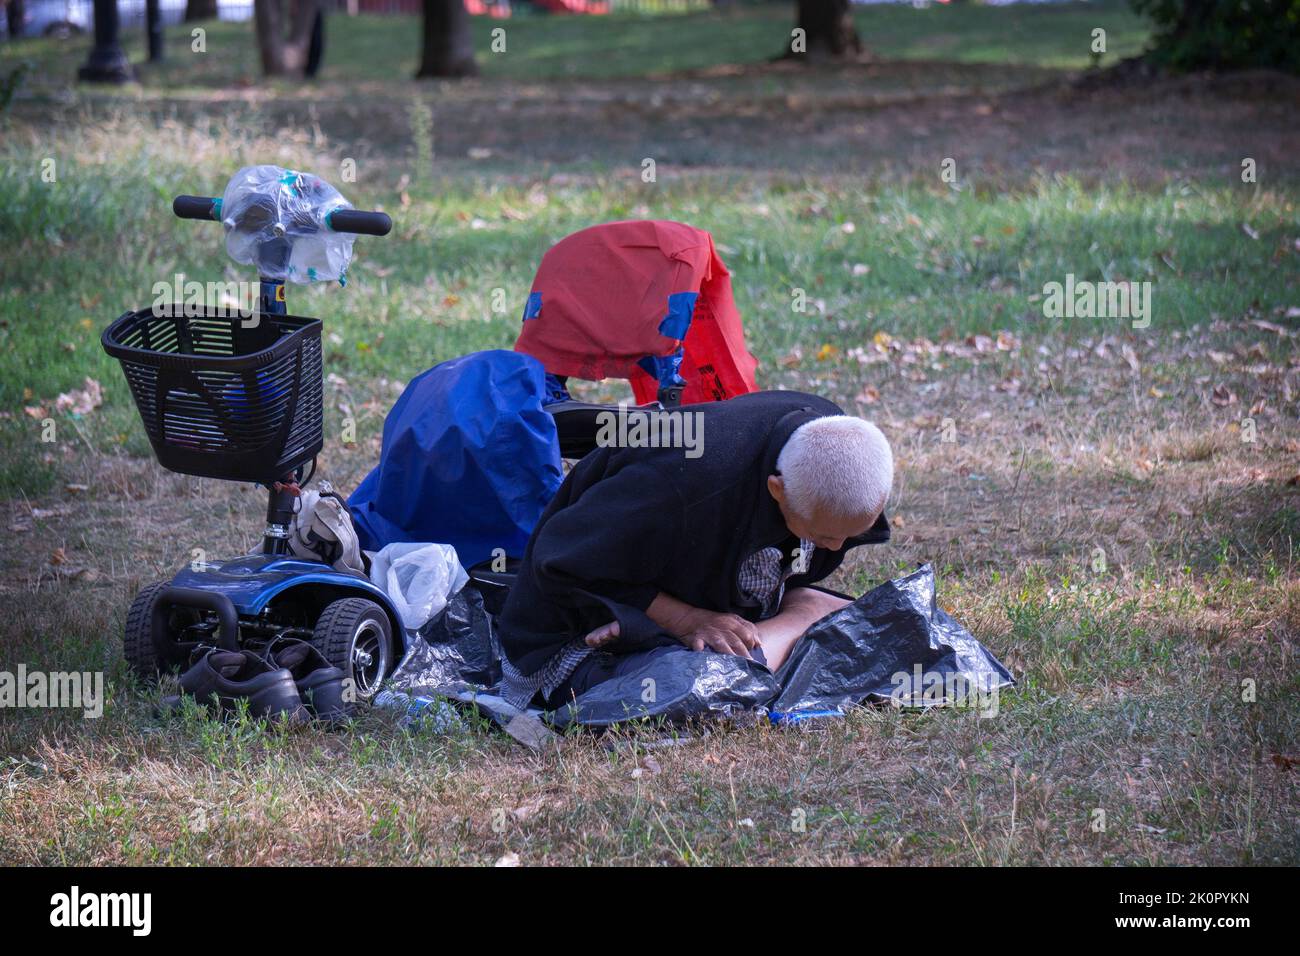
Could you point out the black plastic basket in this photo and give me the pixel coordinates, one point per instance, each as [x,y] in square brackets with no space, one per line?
[224,396]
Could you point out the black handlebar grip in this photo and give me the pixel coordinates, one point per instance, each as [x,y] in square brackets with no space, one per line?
[196,207]
[360,221]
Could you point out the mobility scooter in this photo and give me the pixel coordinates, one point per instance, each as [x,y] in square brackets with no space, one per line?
[238,397]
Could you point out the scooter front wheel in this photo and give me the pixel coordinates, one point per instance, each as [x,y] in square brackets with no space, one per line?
[355,636]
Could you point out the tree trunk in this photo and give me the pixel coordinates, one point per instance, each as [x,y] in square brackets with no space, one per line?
[284,35]
[448,47]
[200,10]
[14,10]
[153,30]
[828,30]
[315,46]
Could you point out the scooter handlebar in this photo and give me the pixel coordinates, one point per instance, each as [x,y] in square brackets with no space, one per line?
[357,221]
[196,207]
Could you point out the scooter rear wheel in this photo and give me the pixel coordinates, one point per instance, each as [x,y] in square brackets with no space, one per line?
[138,645]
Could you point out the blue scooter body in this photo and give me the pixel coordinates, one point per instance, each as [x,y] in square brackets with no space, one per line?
[253,581]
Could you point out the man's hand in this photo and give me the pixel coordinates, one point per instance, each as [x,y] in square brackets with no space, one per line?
[697,628]
[724,633]
[603,635]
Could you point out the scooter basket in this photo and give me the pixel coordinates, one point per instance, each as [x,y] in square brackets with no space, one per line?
[224,396]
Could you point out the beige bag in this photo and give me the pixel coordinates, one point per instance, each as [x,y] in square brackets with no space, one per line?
[322,530]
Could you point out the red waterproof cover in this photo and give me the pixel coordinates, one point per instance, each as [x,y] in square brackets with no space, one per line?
[604,292]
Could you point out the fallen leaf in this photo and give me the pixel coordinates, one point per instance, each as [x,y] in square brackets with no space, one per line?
[81,401]
[56,512]
[868,396]
[1223,396]
[1131,357]
[510,859]
[1273,326]
[528,808]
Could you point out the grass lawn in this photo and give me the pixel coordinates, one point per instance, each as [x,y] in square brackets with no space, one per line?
[1100,520]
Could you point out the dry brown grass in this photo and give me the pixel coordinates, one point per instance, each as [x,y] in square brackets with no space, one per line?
[1129,696]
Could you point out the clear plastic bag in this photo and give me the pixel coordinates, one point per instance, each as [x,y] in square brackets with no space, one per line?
[419,578]
[275,220]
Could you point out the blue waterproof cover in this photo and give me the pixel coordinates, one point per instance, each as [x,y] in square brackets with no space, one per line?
[470,458]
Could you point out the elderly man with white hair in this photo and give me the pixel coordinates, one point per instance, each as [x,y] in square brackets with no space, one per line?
[646,551]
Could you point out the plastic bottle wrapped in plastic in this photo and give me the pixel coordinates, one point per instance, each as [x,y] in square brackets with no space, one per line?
[275,220]
[421,711]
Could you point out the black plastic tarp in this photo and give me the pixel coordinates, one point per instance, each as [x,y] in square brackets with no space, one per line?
[893,643]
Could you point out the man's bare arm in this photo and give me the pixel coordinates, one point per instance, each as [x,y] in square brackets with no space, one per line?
[695,627]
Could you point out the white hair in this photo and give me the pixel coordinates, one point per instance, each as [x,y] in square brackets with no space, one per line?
[839,464]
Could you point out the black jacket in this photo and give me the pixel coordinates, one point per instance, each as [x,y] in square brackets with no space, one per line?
[630,522]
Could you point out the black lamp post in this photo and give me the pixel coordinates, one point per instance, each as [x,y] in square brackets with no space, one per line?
[106,63]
